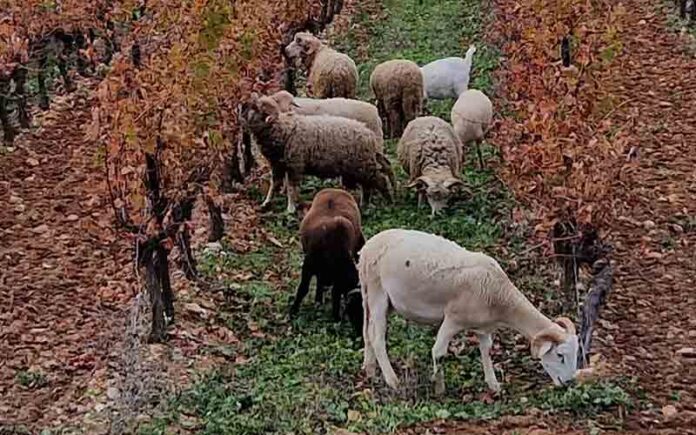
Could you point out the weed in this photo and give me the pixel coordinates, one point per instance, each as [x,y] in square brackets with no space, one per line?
[31,379]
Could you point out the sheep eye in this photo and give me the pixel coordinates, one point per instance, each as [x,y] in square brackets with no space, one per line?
[562,358]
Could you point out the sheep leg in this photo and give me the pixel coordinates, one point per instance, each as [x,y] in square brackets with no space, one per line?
[445,334]
[291,190]
[369,358]
[378,304]
[321,288]
[303,288]
[485,344]
[478,152]
[276,182]
[336,303]
[394,120]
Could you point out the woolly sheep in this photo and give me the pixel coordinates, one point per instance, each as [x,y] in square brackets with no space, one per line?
[431,280]
[472,114]
[323,146]
[448,77]
[330,73]
[331,236]
[343,107]
[431,154]
[398,88]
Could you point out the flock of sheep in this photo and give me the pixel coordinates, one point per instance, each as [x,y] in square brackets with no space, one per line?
[423,277]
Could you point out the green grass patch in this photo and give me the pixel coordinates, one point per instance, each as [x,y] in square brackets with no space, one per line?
[303,376]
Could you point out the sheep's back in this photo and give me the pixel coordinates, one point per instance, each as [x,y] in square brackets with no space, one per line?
[443,77]
[429,141]
[329,146]
[329,203]
[412,264]
[331,67]
[393,78]
[342,107]
[473,105]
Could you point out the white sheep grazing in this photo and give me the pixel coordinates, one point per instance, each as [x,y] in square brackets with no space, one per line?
[448,77]
[330,73]
[472,114]
[344,107]
[431,280]
[431,155]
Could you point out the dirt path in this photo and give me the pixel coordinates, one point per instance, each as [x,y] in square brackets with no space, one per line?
[64,274]
[651,329]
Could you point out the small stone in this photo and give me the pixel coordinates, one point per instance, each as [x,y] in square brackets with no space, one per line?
[648,225]
[642,22]
[353,415]
[214,247]
[15,199]
[32,162]
[72,217]
[19,208]
[40,229]
[112,393]
[669,411]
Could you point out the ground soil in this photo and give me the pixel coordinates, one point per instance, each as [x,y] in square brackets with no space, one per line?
[65,275]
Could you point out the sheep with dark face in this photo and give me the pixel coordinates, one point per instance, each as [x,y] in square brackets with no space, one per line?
[330,73]
[323,146]
[331,236]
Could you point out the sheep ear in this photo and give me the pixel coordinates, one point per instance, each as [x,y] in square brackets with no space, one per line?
[566,324]
[545,340]
[451,183]
[541,349]
[419,183]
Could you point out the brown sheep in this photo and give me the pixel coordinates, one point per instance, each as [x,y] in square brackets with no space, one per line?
[398,88]
[330,74]
[331,236]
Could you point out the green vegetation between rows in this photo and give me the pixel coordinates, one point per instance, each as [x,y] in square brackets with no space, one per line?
[304,376]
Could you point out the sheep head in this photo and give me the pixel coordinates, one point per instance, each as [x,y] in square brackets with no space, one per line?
[285,100]
[258,112]
[303,48]
[384,180]
[557,348]
[437,188]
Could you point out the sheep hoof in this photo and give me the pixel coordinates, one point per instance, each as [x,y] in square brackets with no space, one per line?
[393,382]
[494,387]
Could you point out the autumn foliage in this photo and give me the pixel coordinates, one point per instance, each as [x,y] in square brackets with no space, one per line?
[167,112]
[560,149]
[175,88]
